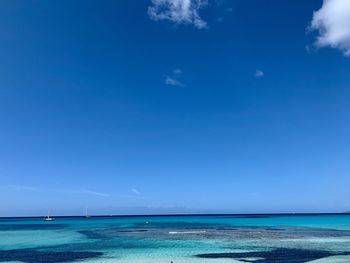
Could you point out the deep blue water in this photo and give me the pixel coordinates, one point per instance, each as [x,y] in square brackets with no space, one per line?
[217,238]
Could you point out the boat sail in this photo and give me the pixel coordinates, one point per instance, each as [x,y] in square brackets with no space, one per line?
[48,218]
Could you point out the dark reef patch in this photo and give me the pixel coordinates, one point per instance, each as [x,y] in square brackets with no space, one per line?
[280,255]
[178,225]
[109,233]
[16,227]
[133,231]
[35,256]
[91,234]
[216,231]
[250,228]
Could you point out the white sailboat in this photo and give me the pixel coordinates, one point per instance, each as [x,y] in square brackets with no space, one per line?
[48,218]
[86,213]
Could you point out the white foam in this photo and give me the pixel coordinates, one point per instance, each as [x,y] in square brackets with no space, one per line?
[187,232]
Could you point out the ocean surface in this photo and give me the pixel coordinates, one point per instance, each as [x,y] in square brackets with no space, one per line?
[146,239]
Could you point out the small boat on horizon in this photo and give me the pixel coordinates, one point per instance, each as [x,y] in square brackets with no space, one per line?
[86,213]
[48,218]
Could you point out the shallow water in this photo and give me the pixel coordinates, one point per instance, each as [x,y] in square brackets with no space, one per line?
[226,238]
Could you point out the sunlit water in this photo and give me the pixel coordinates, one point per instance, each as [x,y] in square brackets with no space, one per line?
[229,238]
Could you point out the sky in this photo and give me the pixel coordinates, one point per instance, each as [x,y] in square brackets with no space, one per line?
[174,106]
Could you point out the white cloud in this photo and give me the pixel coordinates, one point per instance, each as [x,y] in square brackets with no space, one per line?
[178,11]
[135,191]
[173,81]
[332,22]
[173,78]
[259,74]
[177,71]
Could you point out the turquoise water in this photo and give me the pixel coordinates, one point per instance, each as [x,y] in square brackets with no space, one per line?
[226,238]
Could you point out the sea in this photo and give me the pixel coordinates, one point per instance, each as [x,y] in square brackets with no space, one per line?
[260,238]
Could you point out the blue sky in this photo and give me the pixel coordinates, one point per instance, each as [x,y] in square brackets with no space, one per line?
[174,106]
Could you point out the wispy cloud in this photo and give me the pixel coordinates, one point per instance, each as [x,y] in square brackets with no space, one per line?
[173,78]
[46,190]
[89,192]
[223,11]
[173,82]
[135,191]
[18,188]
[177,71]
[79,192]
[178,11]
[332,22]
[259,73]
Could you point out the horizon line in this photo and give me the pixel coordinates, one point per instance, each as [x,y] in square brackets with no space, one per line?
[189,214]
